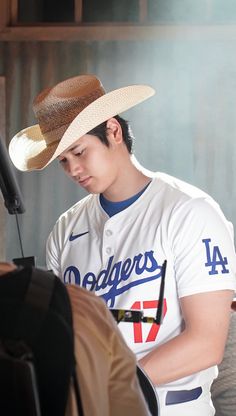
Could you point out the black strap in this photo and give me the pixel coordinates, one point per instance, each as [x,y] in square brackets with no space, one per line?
[40,289]
[39,294]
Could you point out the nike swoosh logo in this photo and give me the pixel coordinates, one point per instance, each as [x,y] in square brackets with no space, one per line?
[75,236]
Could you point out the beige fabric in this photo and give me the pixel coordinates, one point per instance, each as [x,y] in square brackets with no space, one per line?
[106,367]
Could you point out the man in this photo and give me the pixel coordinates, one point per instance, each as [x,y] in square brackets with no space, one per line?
[115,240]
[106,367]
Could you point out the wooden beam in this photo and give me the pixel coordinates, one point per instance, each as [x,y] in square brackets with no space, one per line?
[2,137]
[78,10]
[4,14]
[143,11]
[14,12]
[119,33]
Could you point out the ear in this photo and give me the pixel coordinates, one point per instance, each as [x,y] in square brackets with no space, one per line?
[114,132]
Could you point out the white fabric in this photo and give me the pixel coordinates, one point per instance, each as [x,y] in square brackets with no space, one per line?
[200,407]
[120,257]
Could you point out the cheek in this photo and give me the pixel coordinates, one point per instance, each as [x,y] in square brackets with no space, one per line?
[107,167]
[102,161]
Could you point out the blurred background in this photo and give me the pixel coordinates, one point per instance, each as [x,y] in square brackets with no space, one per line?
[185,49]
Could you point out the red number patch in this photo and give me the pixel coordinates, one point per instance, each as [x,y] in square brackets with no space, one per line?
[138,327]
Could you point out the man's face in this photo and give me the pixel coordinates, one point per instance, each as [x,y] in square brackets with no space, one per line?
[91,164]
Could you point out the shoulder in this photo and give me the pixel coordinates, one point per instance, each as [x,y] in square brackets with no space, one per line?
[78,207]
[93,320]
[74,212]
[62,228]
[179,186]
[85,301]
[182,194]
[185,207]
[90,311]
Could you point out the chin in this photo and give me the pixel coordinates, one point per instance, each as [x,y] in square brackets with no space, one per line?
[92,190]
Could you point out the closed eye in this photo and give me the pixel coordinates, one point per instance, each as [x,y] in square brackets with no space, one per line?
[72,153]
[79,153]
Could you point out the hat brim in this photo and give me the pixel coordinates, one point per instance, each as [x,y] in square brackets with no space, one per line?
[28,150]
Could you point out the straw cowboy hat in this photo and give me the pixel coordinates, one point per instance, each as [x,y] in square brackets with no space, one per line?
[65,113]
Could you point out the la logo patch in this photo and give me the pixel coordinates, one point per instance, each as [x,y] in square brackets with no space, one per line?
[214,258]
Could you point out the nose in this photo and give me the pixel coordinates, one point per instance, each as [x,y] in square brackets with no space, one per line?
[74,168]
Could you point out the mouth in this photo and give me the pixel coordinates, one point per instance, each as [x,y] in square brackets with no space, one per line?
[84,181]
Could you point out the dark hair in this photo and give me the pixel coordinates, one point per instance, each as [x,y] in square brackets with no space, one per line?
[101,132]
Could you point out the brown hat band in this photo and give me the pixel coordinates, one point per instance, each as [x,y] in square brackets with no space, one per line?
[55,117]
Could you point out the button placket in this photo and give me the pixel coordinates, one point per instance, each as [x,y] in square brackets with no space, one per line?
[108,241]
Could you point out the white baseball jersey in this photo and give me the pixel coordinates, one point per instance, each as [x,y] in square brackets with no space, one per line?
[120,258]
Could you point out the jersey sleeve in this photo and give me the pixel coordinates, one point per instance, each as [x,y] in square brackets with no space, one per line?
[203,246]
[53,252]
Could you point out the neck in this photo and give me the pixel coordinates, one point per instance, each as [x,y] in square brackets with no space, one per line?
[130,181]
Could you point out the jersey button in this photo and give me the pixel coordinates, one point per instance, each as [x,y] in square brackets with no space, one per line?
[108,250]
[108,233]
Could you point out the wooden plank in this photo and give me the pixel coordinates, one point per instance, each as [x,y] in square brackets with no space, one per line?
[117,32]
[4,13]
[14,11]
[2,137]
[78,10]
[143,11]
